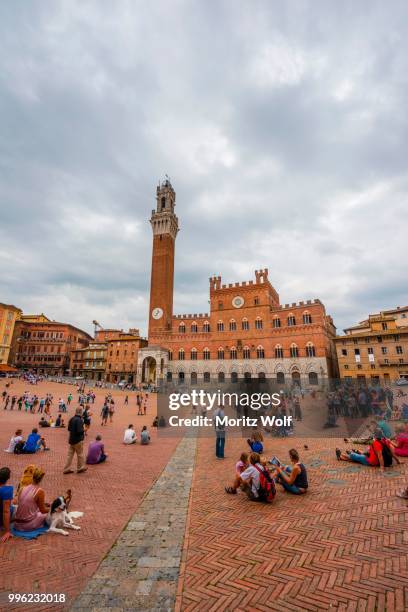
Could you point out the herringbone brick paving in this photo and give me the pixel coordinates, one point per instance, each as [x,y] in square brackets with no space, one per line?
[108,495]
[341,546]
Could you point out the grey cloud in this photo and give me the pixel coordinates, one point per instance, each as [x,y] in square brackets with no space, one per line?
[282,126]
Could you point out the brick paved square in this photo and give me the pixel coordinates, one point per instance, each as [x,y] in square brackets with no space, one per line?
[341,546]
[108,494]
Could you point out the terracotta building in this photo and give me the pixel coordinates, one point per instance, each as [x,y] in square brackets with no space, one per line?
[375,349]
[247,333]
[44,347]
[122,356]
[8,316]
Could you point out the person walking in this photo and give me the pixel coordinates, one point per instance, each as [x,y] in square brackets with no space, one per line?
[219,432]
[76,443]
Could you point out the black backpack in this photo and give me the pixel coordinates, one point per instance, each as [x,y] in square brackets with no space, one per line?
[386,453]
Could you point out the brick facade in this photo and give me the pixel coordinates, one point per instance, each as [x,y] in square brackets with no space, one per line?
[247,333]
[44,347]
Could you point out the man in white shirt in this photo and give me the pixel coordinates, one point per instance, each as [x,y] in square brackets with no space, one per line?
[14,441]
[130,435]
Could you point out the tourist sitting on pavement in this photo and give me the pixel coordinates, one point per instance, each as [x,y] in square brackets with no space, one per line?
[34,443]
[385,428]
[293,477]
[162,421]
[255,442]
[43,422]
[249,479]
[144,436]
[240,467]
[59,422]
[26,477]
[155,422]
[380,453]
[6,507]
[400,443]
[31,510]
[16,441]
[130,435]
[96,452]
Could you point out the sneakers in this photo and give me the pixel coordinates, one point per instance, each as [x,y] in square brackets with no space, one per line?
[338,454]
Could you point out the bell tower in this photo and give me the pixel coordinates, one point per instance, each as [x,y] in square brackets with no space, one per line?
[165,227]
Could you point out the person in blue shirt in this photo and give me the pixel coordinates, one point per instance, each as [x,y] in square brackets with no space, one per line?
[255,442]
[385,428]
[6,508]
[34,442]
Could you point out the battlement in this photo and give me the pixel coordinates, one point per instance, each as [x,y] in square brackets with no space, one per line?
[299,304]
[261,277]
[201,315]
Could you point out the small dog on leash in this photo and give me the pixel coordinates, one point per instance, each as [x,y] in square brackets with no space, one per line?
[59,518]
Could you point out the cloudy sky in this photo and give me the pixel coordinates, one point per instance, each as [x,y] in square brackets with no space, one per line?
[283,127]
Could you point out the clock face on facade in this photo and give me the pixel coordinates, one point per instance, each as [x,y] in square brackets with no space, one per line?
[157,313]
[238,301]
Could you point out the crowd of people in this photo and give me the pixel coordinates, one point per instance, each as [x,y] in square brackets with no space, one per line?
[26,509]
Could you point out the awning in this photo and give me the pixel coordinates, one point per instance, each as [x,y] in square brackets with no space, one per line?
[4,367]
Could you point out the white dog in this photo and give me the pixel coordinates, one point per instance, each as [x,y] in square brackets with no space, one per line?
[60,519]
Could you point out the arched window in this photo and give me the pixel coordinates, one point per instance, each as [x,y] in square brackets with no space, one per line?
[220,353]
[276,322]
[221,377]
[220,326]
[280,378]
[163,202]
[278,352]
[206,327]
[182,328]
[310,350]
[207,377]
[170,355]
[233,353]
[181,354]
[193,354]
[245,324]
[194,328]
[313,378]
[258,323]
[307,317]
[261,377]
[291,320]
[206,354]
[247,376]
[181,377]
[234,377]
[246,353]
[193,378]
[232,325]
[169,376]
[260,353]
[294,351]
